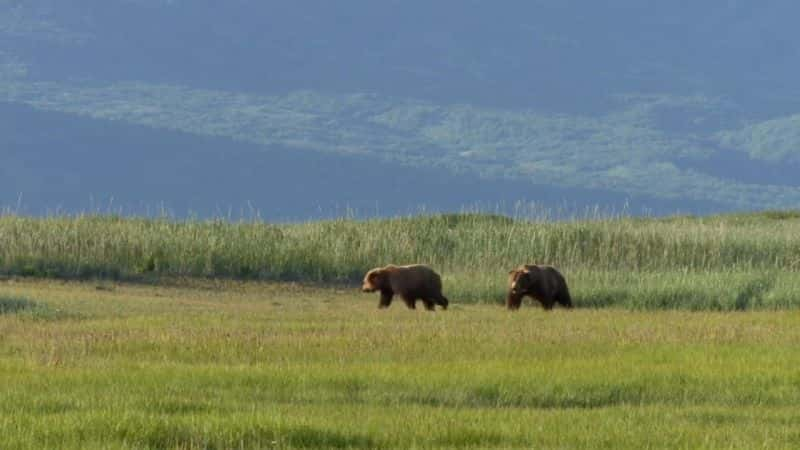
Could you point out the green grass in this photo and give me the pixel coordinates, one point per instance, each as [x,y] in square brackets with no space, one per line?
[213,364]
[734,262]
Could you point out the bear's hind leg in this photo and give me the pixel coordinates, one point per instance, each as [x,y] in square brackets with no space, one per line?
[547,304]
[565,300]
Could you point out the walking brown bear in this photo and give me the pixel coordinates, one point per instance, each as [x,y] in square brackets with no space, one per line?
[543,283]
[411,283]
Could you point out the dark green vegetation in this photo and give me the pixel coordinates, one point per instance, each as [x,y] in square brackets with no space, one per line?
[732,262]
[170,171]
[682,107]
[252,365]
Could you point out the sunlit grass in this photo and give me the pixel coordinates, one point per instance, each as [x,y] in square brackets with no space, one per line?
[226,364]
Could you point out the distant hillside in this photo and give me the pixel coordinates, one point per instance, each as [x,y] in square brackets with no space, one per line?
[689,108]
[60,163]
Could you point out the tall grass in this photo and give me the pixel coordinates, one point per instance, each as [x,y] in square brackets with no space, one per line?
[723,262]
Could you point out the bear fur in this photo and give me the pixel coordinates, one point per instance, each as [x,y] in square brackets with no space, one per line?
[411,283]
[543,283]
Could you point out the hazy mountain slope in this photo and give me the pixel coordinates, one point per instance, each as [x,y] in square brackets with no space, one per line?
[631,150]
[68,163]
[691,103]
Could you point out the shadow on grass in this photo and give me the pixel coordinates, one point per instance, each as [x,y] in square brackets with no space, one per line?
[183,435]
[24,308]
[743,292]
[472,438]
[308,437]
[751,294]
[491,397]
[13,305]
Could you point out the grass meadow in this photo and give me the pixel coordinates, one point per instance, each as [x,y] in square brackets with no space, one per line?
[227,364]
[151,333]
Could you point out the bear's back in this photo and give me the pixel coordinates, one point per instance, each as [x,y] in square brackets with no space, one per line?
[416,277]
[550,277]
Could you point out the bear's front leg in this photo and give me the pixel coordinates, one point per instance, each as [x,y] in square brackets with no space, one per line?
[514,301]
[386,299]
[411,302]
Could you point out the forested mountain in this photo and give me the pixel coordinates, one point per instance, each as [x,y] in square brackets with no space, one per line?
[298,107]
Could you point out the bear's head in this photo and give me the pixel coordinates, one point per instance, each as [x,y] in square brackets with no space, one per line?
[375,280]
[521,280]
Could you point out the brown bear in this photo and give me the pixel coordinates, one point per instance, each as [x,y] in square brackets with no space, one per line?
[543,283]
[411,283]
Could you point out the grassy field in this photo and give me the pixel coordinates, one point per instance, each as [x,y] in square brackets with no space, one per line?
[231,364]
[154,333]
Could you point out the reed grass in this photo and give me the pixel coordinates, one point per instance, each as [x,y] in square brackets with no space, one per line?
[721,262]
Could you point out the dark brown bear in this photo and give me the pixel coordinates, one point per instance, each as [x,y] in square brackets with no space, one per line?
[411,283]
[543,283]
